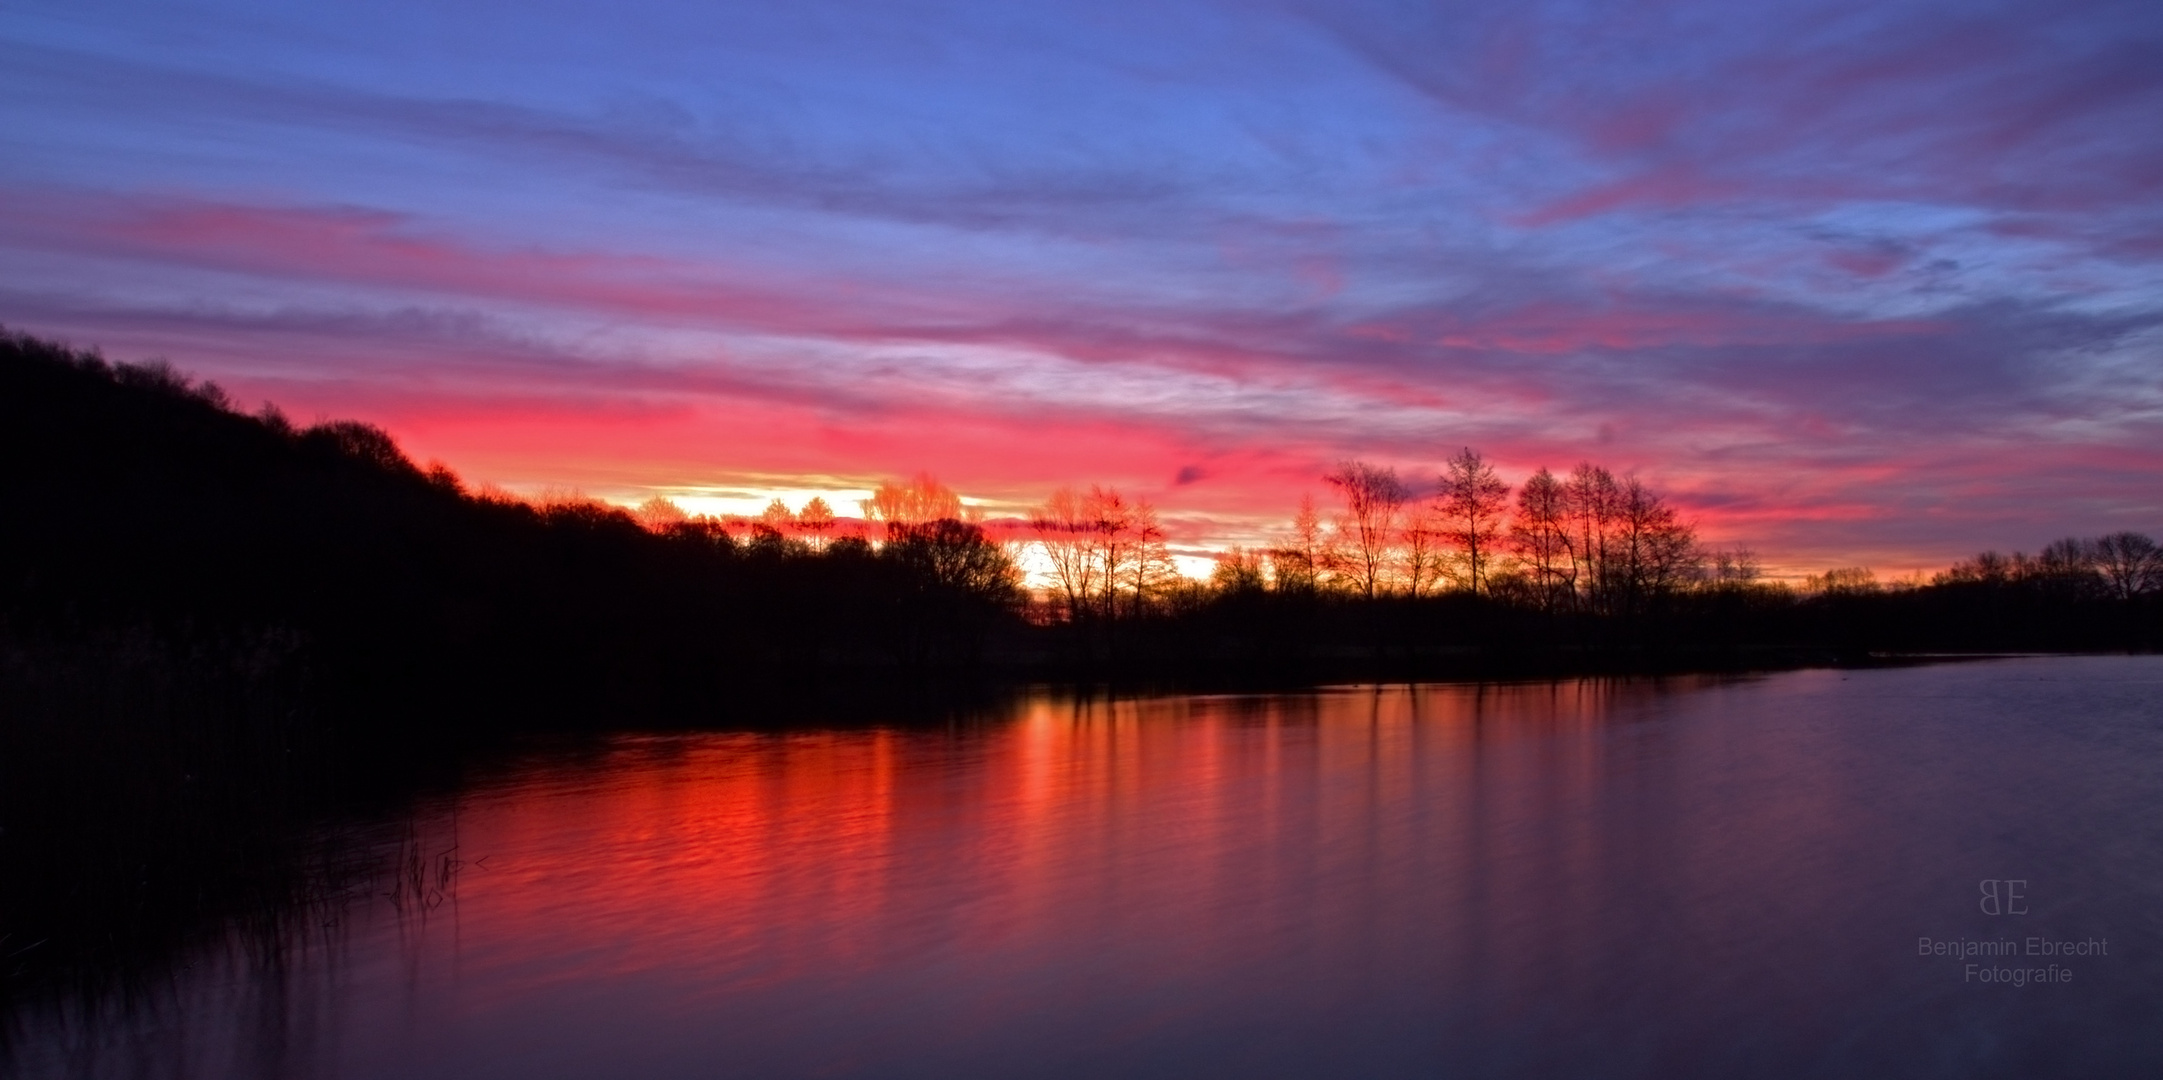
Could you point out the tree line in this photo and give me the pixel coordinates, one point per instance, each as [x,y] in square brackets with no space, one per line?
[147,511]
[153,500]
[1583,568]
[1583,542]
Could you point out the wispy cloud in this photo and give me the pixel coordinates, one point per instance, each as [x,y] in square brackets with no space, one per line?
[1850,280]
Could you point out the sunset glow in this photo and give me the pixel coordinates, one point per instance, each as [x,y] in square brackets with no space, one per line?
[1850,283]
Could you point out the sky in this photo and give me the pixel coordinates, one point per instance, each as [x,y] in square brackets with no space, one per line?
[1850,283]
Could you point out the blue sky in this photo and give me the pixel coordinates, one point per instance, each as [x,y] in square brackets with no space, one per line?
[1853,283]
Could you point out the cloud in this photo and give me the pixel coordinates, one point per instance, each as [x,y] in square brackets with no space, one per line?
[1836,274]
[1659,106]
[715,155]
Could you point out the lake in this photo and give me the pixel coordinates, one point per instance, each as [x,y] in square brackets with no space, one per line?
[1592,878]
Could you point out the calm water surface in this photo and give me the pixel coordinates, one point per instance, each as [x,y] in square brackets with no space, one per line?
[1702,877]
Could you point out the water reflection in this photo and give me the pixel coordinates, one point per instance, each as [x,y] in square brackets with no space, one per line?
[1582,878]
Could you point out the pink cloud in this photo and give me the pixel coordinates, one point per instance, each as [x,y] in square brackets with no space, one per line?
[1534,372]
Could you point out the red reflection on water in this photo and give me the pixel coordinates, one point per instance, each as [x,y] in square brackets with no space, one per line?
[1705,877]
[731,862]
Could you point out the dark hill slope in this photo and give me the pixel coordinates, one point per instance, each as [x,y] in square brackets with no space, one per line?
[142,502]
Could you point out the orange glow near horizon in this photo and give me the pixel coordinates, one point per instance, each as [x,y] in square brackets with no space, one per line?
[629,455]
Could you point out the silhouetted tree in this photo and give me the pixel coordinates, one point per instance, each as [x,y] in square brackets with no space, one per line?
[659,514]
[2130,564]
[1987,568]
[1240,571]
[816,523]
[918,500]
[1150,570]
[1066,528]
[1732,568]
[364,443]
[1298,564]
[1426,564]
[1655,551]
[1842,581]
[955,556]
[1373,500]
[2067,569]
[1114,520]
[1593,502]
[1473,504]
[1540,535]
[778,519]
